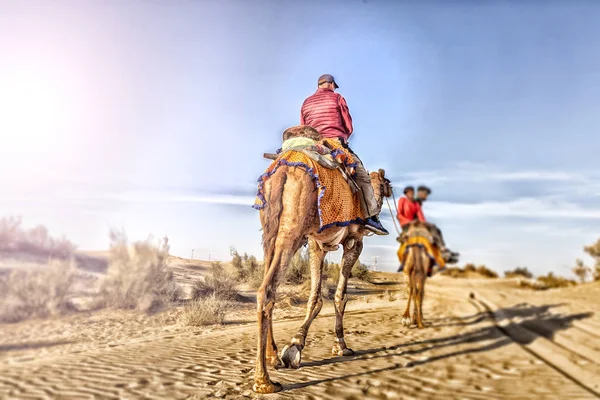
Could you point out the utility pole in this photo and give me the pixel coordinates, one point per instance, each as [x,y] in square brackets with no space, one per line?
[192,257]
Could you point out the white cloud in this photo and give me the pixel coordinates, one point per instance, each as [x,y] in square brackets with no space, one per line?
[523,207]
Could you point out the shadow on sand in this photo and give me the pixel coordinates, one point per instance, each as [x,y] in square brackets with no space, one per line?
[535,318]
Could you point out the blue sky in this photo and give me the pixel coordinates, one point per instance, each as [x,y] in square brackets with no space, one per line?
[153,116]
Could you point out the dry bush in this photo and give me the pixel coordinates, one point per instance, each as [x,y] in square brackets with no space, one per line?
[485,271]
[298,271]
[210,310]
[581,271]
[470,268]
[332,272]
[361,272]
[36,241]
[138,276]
[519,272]
[247,269]
[457,272]
[36,293]
[549,281]
[454,272]
[594,252]
[218,283]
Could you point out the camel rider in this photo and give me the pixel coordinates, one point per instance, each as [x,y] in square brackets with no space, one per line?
[328,113]
[408,209]
[423,193]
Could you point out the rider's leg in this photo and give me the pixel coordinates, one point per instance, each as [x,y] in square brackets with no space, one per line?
[448,255]
[369,203]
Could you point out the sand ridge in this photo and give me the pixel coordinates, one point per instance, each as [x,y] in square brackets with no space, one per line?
[460,355]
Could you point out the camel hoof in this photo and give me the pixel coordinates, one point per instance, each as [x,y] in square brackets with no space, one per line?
[266,388]
[291,356]
[342,352]
[406,322]
[275,362]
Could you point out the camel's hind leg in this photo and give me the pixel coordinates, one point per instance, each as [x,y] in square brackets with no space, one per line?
[420,277]
[408,267]
[352,249]
[286,247]
[291,354]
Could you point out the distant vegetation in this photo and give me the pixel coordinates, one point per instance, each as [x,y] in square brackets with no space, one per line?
[583,271]
[469,270]
[15,239]
[138,276]
[519,272]
[546,282]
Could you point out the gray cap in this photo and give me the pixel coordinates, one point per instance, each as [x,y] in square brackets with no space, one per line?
[328,78]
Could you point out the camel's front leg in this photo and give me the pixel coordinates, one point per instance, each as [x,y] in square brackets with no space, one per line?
[352,250]
[406,321]
[291,355]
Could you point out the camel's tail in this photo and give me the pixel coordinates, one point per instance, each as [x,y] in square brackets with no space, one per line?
[271,214]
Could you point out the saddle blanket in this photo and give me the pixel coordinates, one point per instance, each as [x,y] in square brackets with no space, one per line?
[337,205]
[432,251]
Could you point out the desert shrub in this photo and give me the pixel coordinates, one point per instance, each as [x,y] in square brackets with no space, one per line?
[247,269]
[219,284]
[36,293]
[298,271]
[457,272]
[519,272]
[454,272]
[581,271]
[360,271]
[210,310]
[485,271]
[470,268]
[138,276]
[551,281]
[332,271]
[545,282]
[37,241]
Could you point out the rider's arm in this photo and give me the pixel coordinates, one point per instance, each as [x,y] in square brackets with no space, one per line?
[346,117]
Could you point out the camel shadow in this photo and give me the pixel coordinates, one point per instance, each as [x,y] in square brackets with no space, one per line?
[534,318]
[521,310]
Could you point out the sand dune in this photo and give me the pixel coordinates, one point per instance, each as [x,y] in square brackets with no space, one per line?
[460,355]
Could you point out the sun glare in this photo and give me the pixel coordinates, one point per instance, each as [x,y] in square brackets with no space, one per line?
[33,110]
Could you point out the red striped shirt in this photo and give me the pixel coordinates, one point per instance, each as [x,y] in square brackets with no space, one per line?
[328,113]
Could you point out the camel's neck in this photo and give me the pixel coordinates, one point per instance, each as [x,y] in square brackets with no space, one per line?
[378,190]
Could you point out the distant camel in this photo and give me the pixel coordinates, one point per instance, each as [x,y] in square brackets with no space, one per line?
[289,219]
[416,264]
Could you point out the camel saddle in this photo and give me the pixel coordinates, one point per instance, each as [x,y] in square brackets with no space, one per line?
[313,147]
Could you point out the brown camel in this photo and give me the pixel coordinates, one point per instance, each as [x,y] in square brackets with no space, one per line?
[288,220]
[417,263]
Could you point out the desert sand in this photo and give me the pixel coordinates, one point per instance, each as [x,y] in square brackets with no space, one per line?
[484,339]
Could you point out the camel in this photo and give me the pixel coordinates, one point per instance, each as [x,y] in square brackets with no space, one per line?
[288,221]
[415,274]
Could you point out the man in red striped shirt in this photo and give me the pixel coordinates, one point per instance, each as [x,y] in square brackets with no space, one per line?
[328,113]
[409,209]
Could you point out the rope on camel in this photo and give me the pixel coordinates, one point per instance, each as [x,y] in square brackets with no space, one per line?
[391,213]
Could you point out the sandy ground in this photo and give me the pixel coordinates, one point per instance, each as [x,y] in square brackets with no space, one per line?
[496,345]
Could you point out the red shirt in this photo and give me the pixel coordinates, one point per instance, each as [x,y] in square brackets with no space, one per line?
[409,211]
[328,113]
